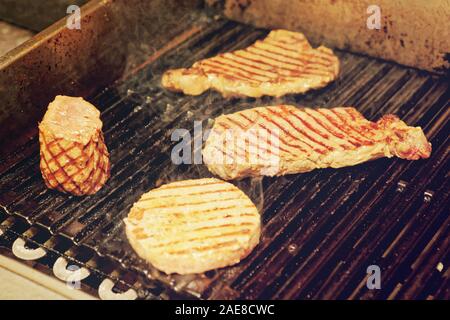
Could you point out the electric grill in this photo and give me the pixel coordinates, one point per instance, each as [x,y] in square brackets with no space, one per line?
[321,230]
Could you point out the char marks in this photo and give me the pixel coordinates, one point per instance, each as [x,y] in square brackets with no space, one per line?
[311,139]
[272,60]
[193,226]
[282,63]
[73,156]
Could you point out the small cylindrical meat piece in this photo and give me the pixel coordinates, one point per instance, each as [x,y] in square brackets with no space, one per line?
[74,157]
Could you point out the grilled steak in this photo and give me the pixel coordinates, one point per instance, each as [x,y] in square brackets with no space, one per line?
[280,140]
[193,226]
[74,157]
[284,62]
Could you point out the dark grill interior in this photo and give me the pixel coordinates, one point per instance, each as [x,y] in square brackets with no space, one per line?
[321,230]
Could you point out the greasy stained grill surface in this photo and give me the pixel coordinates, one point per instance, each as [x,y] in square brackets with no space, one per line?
[320,230]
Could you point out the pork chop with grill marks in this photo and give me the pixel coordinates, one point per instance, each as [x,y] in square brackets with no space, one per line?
[193,226]
[284,62]
[303,139]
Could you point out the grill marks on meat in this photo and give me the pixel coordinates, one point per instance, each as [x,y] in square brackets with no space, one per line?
[305,139]
[193,226]
[74,157]
[284,62]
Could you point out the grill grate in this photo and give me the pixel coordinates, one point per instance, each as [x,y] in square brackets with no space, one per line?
[321,230]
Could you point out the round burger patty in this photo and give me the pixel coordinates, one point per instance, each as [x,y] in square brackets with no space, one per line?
[193,226]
